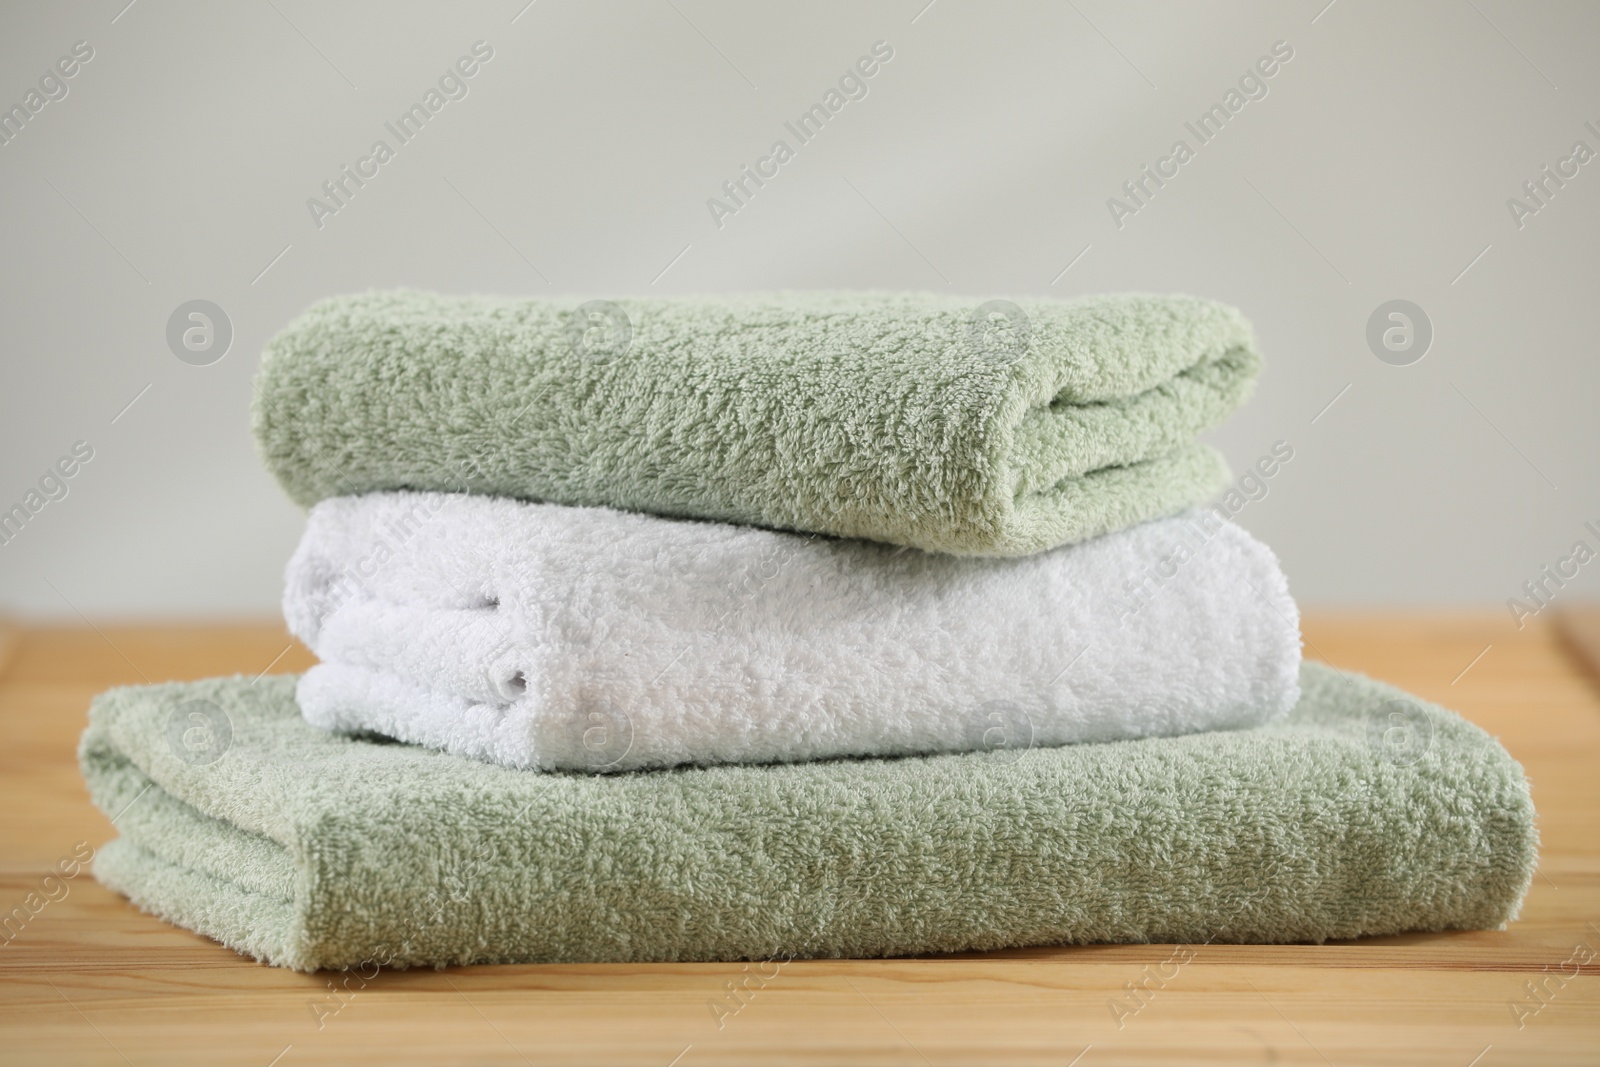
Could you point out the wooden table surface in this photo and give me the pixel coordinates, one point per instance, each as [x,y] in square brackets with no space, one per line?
[89,979]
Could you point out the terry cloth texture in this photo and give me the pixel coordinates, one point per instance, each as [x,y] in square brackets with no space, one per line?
[1363,811]
[933,421]
[562,638]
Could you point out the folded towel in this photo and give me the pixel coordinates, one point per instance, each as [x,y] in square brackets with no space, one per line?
[1363,811]
[539,635]
[992,428]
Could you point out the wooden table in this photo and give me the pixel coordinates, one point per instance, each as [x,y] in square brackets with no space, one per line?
[91,980]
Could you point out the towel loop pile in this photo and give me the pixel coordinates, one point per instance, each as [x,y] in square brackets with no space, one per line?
[797,625]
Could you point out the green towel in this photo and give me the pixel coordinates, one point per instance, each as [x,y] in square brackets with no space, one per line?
[949,424]
[1363,812]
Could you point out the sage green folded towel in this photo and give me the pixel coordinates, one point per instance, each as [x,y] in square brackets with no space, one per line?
[1363,812]
[949,424]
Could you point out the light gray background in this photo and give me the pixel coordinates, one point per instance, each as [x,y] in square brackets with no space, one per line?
[1378,167]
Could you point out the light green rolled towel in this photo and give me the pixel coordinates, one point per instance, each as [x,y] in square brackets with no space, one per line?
[1363,811]
[950,424]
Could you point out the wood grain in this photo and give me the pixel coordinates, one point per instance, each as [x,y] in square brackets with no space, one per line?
[1579,626]
[89,979]
[9,634]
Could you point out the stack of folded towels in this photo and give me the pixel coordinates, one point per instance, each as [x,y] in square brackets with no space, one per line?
[804,625]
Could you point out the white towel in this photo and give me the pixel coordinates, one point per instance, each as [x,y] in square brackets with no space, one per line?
[565,638]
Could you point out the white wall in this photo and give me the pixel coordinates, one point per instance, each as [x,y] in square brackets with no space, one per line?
[1378,166]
